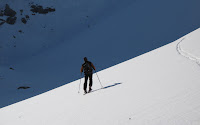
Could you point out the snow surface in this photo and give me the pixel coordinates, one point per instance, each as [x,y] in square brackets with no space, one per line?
[160,87]
[107,32]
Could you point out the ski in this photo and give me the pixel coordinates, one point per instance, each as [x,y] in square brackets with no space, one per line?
[87,93]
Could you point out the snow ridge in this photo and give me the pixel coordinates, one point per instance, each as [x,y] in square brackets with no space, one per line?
[187,54]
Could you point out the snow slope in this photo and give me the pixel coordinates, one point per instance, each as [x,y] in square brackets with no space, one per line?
[160,87]
[107,32]
[43,32]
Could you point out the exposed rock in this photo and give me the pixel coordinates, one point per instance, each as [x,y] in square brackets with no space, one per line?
[24,20]
[23,87]
[33,6]
[2,23]
[9,12]
[11,20]
[51,9]
[1,13]
[21,11]
[39,9]
[27,16]
[20,31]
[2,20]
[11,68]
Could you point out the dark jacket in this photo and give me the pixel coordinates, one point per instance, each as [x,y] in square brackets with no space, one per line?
[87,67]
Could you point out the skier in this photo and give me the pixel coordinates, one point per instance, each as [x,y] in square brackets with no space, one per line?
[88,71]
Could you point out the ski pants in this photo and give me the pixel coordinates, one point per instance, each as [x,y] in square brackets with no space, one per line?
[86,79]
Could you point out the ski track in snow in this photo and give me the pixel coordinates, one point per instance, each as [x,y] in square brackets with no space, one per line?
[187,54]
[175,110]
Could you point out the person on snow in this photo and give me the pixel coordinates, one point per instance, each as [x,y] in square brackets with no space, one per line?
[88,71]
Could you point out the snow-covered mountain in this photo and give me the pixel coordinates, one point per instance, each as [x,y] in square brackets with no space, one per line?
[42,58]
[160,87]
[49,51]
[45,31]
[119,30]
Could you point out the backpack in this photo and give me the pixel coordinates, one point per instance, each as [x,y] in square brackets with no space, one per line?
[87,67]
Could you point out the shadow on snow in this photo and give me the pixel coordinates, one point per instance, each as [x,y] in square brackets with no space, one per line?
[106,87]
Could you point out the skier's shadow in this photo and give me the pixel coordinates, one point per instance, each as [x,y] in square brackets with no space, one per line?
[111,85]
[106,87]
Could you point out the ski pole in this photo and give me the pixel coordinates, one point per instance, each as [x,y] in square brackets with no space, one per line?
[79,84]
[98,79]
